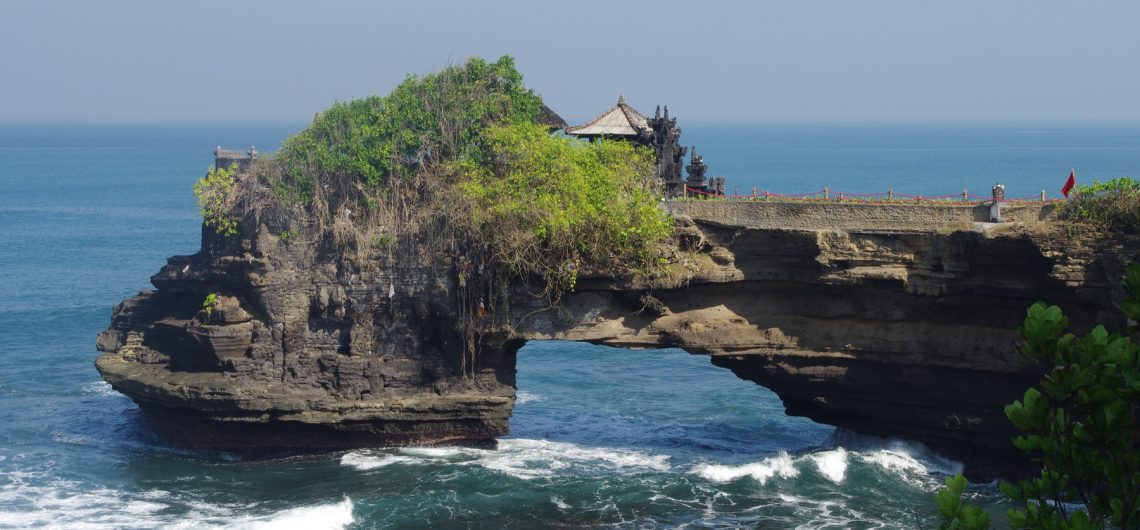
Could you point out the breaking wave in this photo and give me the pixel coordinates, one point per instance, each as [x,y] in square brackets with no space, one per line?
[66,504]
[831,464]
[909,462]
[522,396]
[778,466]
[97,388]
[520,458]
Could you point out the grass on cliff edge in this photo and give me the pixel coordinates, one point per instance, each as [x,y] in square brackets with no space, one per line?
[1111,204]
[457,160]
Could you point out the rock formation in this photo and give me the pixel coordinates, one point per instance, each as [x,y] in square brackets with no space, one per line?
[891,320]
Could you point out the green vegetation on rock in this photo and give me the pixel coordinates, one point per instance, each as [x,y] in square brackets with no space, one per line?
[455,169]
[215,199]
[555,205]
[457,160]
[210,303]
[423,122]
[1111,204]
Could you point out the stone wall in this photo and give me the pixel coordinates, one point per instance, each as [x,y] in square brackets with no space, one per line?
[854,216]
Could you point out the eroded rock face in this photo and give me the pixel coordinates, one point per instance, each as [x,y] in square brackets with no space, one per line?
[304,351]
[893,332]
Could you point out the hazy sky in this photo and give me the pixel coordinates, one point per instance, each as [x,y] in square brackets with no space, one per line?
[712,61]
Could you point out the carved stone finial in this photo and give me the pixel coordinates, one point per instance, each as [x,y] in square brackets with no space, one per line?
[621,98]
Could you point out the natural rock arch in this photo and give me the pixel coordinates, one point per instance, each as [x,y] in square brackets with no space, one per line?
[894,332]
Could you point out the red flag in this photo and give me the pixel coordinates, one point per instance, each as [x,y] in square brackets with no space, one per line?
[1069,184]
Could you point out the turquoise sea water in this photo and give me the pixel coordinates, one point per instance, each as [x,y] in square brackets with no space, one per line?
[600,437]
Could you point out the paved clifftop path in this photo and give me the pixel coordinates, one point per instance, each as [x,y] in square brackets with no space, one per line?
[892,320]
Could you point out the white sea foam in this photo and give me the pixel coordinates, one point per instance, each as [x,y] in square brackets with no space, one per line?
[526,397]
[321,517]
[520,458]
[899,457]
[365,462]
[816,513]
[561,504]
[72,439]
[439,453]
[65,504]
[832,464]
[894,461]
[906,461]
[97,388]
[780,465]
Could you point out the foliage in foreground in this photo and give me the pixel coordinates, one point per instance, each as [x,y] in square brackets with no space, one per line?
[1112,204]
[1081,425]
[957,515]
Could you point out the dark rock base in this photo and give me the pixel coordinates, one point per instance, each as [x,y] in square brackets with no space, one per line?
[255,439]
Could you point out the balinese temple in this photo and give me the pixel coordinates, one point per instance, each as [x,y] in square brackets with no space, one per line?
[621,121]
[662,134]
[550,119]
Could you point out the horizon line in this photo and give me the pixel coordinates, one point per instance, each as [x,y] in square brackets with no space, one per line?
[696,121]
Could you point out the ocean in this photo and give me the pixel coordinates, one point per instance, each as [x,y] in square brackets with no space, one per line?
[601,438]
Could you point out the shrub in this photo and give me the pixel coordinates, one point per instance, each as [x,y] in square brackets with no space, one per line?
[1080,423]
[556,205]
[215,195]
[424,121]
[955,514]
[1115,203]
[460,153]
[210,303]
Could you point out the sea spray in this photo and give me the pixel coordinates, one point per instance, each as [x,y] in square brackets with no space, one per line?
[321,517]
[520,458]
[832,464]
[778,466]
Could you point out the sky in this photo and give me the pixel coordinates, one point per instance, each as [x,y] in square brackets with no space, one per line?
[742,61]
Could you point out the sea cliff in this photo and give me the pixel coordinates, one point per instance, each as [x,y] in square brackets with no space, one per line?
[892,320]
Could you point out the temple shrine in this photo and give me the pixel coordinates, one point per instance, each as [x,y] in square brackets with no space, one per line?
[662,134]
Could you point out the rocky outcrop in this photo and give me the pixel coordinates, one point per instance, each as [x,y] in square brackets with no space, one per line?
[884,327]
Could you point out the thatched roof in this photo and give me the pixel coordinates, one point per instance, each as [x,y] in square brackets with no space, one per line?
[620,120]
[550,119]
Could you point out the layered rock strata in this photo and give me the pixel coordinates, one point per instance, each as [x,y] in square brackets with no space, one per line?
[888,322]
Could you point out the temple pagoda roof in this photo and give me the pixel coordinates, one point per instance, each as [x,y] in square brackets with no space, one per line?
[551,119]
[620,120]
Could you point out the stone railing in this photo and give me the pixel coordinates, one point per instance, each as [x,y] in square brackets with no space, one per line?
[856,216]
